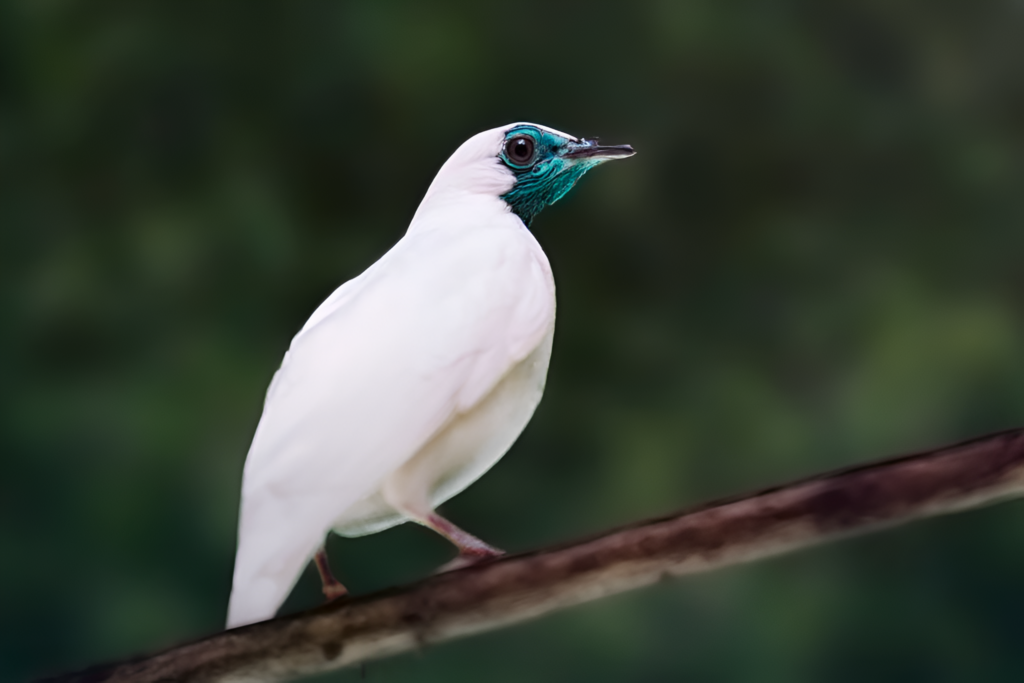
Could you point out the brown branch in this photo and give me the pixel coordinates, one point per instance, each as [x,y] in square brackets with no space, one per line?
[521,587]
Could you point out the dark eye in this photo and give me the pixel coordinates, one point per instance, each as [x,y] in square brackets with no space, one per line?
[520,150]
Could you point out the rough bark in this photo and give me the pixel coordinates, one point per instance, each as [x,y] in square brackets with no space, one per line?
[520,587]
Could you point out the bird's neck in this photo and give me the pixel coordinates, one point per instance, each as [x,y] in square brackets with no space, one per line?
[452,210]
[465,195]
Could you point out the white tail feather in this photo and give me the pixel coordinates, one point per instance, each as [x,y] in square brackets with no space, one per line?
[272,552]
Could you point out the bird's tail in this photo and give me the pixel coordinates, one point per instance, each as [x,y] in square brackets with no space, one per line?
[271,556]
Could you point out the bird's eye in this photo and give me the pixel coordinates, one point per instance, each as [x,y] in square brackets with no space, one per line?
[520,150]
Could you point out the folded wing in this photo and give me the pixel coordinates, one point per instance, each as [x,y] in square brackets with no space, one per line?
[381,366]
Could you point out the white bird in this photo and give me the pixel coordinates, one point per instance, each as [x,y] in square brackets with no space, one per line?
[411,380]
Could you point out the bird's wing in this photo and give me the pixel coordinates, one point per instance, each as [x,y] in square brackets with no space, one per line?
[422,336]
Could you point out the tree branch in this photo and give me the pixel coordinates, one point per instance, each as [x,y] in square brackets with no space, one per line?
[515,588]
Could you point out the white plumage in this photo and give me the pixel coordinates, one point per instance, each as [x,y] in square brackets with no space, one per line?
[405,385]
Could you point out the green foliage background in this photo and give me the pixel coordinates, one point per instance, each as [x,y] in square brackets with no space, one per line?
[813,260]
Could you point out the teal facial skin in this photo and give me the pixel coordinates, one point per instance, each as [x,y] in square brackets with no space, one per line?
[554,166]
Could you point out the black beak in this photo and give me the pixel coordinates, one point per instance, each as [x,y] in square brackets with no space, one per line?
[589,149]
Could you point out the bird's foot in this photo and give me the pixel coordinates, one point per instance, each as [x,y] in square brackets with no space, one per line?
[334,591]
[467,558]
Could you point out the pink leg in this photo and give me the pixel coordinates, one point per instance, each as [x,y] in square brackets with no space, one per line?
[471,548]
[404,493]
[333,589]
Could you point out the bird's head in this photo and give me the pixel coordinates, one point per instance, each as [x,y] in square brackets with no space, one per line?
[524,165]
[546,164]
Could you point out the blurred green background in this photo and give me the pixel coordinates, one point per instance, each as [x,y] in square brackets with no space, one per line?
[813,260]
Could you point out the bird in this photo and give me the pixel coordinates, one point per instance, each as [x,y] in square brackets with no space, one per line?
[415,377]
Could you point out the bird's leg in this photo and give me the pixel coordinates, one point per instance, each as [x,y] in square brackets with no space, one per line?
[333,589]
[471,548]
[404,492]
